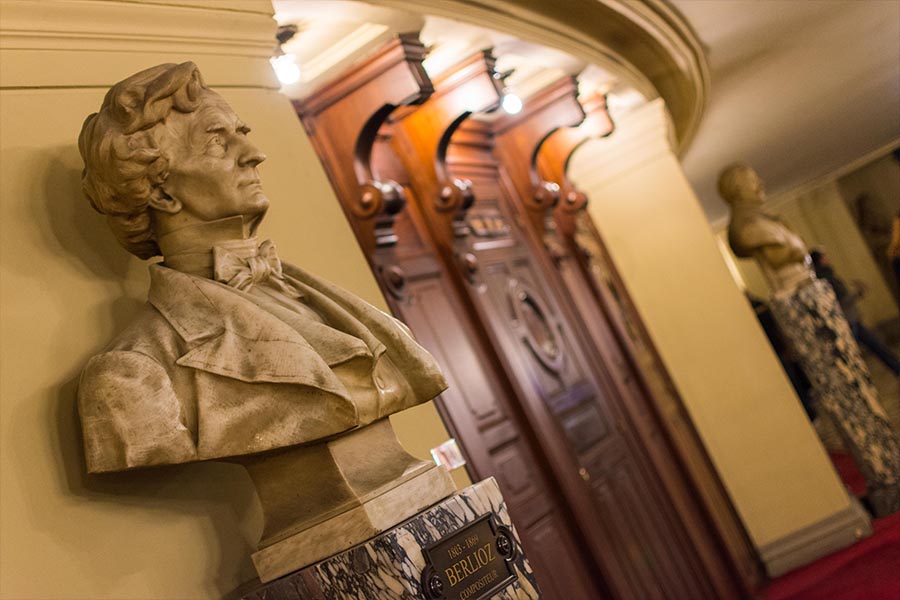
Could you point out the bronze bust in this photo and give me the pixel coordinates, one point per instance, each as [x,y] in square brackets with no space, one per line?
[753,233]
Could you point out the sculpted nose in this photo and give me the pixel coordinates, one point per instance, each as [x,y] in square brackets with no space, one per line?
[250,155]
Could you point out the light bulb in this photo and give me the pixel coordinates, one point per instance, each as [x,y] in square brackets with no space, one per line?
[286,69]
[511,103]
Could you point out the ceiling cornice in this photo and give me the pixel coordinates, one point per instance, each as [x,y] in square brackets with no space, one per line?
[85,43]
[647,43]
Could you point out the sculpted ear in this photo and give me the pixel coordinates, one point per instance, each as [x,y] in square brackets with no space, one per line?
[163,202]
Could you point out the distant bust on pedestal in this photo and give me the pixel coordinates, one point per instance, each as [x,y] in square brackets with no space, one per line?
[753,233]
[809,316]
[237,355]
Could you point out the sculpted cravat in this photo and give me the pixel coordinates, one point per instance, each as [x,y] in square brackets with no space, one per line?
[244,273]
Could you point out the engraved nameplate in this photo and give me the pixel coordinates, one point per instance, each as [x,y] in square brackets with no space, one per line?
[471,563]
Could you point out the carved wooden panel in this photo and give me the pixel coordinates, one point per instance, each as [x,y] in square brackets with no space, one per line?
[557,368]
[573,404]
[541,141]
[650,396]
[551,549]
[478,408]
[353,137]
[545,395]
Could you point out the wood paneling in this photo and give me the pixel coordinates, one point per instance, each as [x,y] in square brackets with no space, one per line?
[567,402]
[518,279]
[348,125]
[678,454]
[481,246]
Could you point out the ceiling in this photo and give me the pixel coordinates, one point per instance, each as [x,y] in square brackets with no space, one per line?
[799,88]
[333,34]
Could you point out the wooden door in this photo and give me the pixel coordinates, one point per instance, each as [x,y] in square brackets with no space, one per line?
[346,122]
[569,401]
[554,214]
[649,389]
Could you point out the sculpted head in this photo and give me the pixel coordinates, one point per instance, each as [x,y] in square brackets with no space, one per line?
[165,151]
[739,183]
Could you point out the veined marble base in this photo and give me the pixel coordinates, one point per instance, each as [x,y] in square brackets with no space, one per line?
[812,322]
[390,566]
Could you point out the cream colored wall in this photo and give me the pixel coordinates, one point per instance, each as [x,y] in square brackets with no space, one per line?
[880,178]
[752,424]
[746,273]
[66,289]
[821,217]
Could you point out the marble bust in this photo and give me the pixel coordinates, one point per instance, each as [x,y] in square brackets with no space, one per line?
[754,233]
[236,355]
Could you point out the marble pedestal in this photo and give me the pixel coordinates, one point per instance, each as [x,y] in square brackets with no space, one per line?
[811,320]
[395,565]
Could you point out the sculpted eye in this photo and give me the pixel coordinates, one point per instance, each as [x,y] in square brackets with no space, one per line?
[216,145]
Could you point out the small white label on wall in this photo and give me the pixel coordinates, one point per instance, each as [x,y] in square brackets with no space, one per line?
[448,455]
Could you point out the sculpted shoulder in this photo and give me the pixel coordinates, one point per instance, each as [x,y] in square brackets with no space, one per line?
[151,334]
[750,233]
[129,410]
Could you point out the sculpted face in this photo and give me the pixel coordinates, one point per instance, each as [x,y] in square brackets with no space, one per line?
[212,166]
[749,184]
[741,184]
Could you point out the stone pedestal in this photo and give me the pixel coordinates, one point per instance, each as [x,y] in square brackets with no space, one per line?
[464,547]
[322,498]
[811,320]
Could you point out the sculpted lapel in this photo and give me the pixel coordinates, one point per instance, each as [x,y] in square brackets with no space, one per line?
[229,335]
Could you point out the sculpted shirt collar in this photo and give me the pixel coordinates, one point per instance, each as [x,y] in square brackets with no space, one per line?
[189,249]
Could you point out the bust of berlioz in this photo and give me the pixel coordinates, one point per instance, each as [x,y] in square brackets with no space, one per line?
[235,351]
[236,355]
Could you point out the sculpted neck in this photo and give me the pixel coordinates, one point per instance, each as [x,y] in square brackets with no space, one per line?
[754,204]
[189,248]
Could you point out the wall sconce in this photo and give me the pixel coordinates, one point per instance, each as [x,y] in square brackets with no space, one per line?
[286,68]
[511,103]
[285,65]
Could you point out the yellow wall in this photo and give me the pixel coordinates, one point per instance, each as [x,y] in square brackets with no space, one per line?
[66,289]
[821,217]
[744,408]
[879,178]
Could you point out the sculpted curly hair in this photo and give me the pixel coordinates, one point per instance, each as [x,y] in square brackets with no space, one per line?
[123,163]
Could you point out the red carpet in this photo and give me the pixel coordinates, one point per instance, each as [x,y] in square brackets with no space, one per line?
[867,570]
[848,472]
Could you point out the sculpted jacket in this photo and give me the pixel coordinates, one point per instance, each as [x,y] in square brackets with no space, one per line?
[204,372]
